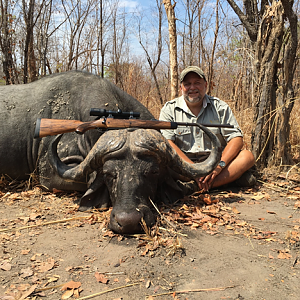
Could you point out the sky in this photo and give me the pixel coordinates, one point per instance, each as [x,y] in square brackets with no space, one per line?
[144,8]
[147,8]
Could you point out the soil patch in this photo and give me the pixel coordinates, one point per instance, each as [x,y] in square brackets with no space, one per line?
[228,244]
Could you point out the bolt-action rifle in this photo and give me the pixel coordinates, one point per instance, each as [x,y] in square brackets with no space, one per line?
[108,120]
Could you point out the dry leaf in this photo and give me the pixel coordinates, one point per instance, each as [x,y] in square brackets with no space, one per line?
[184,207]
[71,285]
[271,212]
[297,205]
[8,298]
[76,293]
[67,294]
[54,278]
[33,216]
[235,210]
[26,273]
[258,197]
[29,292]
[23,287]
[284,255]
[46,266]
[207,199]
[100,278]
[5,266]
[148,284]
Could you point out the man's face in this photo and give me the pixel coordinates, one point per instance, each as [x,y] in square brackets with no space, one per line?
[193,88]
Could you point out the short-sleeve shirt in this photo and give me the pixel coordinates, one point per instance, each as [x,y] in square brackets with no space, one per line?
[192,139]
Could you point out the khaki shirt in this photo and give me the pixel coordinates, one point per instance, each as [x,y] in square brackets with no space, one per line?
[192,140]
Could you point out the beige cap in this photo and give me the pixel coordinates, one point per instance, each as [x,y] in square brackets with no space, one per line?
[194,69]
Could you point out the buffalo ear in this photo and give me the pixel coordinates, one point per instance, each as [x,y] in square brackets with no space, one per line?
[96,196]
[95,199]
[169,191]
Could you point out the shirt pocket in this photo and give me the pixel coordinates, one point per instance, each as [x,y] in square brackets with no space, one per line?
[183,138]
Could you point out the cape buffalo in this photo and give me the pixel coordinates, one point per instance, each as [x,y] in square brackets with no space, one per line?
[124,168]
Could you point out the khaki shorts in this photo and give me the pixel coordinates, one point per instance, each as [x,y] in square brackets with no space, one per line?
[197,157]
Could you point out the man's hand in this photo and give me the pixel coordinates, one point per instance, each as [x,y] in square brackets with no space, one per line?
[206,182]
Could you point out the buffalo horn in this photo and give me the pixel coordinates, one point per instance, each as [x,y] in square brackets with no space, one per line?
[198,169]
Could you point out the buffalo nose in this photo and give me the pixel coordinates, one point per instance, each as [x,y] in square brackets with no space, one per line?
[125,222]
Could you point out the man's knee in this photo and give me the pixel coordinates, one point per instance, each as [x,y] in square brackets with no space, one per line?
[248,157]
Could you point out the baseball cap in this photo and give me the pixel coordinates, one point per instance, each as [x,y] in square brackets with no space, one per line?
[194,69]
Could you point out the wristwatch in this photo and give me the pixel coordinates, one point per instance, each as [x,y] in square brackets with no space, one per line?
[222,164]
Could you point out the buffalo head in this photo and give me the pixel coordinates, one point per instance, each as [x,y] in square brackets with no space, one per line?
[125,169]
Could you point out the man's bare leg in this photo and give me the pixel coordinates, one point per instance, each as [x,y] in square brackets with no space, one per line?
[243,162]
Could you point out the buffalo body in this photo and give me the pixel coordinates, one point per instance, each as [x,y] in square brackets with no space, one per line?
[68,95]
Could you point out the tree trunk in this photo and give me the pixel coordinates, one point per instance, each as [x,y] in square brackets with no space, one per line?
[32,71]
[29,57]
[5,44]
[274,65]
[173,47]
[269,41]
[285,99]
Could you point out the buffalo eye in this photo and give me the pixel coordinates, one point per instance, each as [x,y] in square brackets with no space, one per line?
[155,171]
[151,171]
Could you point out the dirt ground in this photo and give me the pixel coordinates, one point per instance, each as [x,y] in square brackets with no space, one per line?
[230,244]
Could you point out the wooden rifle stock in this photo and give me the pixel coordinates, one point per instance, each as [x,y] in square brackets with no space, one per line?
[45,127]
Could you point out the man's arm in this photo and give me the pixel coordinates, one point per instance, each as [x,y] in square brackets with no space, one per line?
[232,149]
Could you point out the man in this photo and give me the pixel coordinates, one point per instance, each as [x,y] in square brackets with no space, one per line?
[192,144]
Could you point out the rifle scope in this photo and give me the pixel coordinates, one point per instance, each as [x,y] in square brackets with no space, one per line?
[119,114]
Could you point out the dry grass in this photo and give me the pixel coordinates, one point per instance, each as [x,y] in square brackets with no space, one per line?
[295,131]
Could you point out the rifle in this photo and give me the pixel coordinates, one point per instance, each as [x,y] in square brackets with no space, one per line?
[108,120]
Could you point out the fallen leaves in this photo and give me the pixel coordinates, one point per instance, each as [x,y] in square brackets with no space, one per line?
[284,254]
[195,212]
[47,265]
[235,210]
[5,265]
[71,288]
[27,272]
[28,292]
[101,278]
[297,205]
[258,196]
